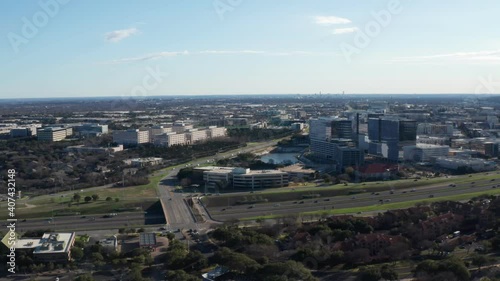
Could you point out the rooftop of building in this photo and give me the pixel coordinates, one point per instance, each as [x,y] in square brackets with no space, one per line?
[49,243]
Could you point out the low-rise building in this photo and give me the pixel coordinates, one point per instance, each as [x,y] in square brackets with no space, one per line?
[82,148]
[245,178]
[455,163]
[90,130]
[424,152]
[52,247]
[147,240]
[298,171]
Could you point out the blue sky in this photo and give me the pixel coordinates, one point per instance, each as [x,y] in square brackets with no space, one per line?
[125,48]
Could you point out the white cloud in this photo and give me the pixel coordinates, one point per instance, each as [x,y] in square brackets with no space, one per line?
[149,57]
[118,35]
[226,52]
[485,56]
[330,20]
[218,52]
[345,30]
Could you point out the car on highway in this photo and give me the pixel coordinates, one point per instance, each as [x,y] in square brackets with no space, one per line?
[431,196]
[327,199]
[301,202]
[277,205]
[251,207]
[354,197]
[391,192]
[387,200]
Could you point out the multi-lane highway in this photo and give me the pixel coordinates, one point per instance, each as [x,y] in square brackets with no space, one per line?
[89,222]
[225,213]
[177,213]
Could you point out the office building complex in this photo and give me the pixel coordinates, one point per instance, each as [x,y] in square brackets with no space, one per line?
[131,137]
[90,130]
[387,134]
[53,133]
[331,140]
[170,139]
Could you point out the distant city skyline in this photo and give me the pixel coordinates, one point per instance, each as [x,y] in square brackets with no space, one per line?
[63,48]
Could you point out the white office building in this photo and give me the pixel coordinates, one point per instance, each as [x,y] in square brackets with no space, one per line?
[170,139]
[131,137]
[215,132]
[424,152]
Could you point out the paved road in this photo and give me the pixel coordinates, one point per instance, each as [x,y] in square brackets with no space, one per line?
[340,202]
[177,213]
[67,223]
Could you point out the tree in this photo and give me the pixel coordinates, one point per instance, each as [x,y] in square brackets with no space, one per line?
[236,261]
[88,199]
[180,275]
[388,273]
[84,277]
[170,236]
[95,197]
[289,270]
[76,253]
[108,199]
[479,260]
[117,199]
[370,273]
[77,197]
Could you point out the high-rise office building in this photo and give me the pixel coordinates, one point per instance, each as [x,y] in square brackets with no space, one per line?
[331,140]
[388,134]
